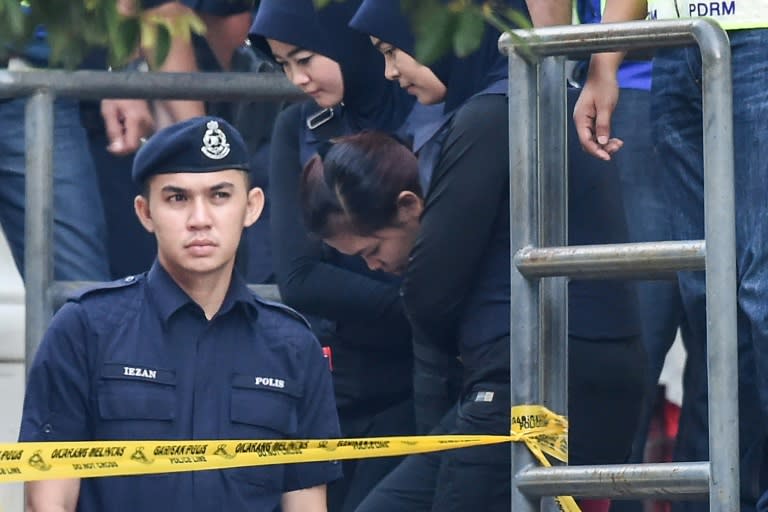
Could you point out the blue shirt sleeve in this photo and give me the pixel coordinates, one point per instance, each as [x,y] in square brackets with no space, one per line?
[56,403]
[318,419]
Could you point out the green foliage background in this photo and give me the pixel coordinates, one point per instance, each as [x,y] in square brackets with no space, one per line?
[76,26]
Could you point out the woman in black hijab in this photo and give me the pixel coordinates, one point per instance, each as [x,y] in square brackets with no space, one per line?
[356,313]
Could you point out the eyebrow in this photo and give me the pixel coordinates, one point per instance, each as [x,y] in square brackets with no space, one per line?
[173,189]
[295,51]
[379,43]
[222,185]
[181,190]
[292,53]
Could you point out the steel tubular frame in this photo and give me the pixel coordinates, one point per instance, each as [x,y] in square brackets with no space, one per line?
[641,259]
[529,52]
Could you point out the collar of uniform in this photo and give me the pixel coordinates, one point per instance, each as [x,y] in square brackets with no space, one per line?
[169,297]
[238,293]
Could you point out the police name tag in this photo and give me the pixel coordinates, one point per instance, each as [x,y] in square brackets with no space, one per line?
[269,382]
[139,372]
[282,384]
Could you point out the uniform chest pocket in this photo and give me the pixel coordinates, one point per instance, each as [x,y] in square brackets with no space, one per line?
[264,406]
[140,398]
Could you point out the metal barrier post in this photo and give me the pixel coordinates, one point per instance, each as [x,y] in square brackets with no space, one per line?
[38,219]
[719,226]
[683,480]
[524,316]
[553,192]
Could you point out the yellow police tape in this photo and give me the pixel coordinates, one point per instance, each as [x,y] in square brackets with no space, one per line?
[544,432]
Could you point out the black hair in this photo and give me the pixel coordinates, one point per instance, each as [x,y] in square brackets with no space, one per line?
[367,172]
[323,214]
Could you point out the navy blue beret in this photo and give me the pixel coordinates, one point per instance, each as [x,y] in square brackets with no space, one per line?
[200,144]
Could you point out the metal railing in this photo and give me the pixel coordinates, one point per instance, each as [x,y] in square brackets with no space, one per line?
[42,293]
[537,171]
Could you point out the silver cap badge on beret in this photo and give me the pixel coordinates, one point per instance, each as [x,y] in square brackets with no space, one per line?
[215,145]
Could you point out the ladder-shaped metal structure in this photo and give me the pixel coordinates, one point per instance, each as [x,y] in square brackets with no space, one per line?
[542,262]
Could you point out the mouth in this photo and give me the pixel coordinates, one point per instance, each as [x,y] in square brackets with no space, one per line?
[200,247]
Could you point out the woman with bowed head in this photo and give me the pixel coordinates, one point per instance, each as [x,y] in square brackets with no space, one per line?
[450,241]
[356,313]
[383,217]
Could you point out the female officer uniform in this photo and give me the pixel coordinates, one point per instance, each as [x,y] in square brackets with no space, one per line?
[137,359]
[357,313]
[465,297]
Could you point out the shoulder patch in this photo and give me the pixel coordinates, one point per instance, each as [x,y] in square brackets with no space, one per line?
[104,287]
[284,309]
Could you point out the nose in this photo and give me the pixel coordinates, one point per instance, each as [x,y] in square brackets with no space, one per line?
[373,263]
[200,214]
[297,77]
[390,70]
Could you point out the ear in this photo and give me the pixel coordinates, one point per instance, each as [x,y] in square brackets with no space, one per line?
[254,206]
[141,207]
[409,207]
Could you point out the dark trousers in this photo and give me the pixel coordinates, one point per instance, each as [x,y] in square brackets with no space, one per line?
[677,120]
[437,381]
[360,476]
[605,398]
[454,480]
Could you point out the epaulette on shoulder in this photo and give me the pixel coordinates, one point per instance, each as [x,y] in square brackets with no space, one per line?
[105,287]
[284,309]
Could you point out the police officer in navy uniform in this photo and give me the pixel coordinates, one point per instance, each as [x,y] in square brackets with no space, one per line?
[184,351]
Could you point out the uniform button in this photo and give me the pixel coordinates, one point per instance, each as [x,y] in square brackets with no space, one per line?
[129,279]
[47,428]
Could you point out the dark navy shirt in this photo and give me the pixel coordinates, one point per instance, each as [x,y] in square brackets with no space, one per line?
[457,285]
[203,380]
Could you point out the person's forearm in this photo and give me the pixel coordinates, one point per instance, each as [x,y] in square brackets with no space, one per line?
[305,500]
[545,13]
[180,59]
[52,495]
[606,64]
[624,10]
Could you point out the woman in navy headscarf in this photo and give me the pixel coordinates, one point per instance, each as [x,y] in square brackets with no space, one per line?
[356,313]
[451,243]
